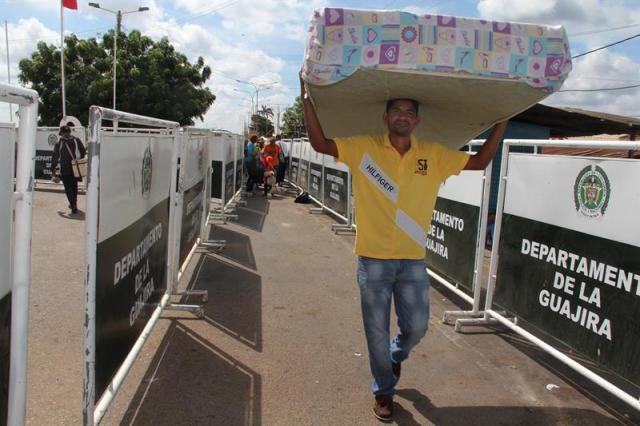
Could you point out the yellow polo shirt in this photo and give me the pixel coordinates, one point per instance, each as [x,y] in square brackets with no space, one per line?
[395,194]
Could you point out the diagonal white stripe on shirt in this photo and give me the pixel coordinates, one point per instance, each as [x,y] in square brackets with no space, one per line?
[411,228]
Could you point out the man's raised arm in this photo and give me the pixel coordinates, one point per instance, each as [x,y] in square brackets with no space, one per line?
[314,130]
[481,160]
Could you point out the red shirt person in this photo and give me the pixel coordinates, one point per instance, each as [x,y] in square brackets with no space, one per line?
[272,149]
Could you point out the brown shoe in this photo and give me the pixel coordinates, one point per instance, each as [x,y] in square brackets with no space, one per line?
[383,407]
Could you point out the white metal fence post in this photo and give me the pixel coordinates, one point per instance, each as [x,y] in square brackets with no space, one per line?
[91,241]
[28,111]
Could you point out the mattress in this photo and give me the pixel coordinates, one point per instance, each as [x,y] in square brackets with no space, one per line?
[466,73]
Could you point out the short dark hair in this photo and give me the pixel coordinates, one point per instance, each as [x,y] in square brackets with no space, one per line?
[253,138]
[416,104]
[64,129]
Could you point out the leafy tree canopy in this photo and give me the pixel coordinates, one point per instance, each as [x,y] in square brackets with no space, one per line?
[261,125]
[265,111]
[153,79]
[293,121]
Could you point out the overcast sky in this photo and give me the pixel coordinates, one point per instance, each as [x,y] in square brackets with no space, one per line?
[262,41]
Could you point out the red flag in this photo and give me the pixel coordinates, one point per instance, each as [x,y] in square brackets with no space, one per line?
[70,4]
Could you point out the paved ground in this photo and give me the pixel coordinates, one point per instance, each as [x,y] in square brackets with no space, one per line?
[282,341]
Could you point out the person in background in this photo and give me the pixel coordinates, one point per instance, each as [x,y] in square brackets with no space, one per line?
[259,145]
[67,149]
[251,158]
[269,177]
[396,178]
[272,149]
[284,162]
[249,147]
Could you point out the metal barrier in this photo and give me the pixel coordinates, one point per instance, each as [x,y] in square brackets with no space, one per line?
[226,153]
[7,153]
[327,181]
[192,201]
[130,262]
[457,237]
[294,162]
[15,244]
[564,235]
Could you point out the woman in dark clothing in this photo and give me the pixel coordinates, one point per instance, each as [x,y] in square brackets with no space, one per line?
[64,152]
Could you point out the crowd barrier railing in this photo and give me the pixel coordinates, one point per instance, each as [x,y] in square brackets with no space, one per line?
[192,205]
[327,181]
[466,205]
[130,246]
[8,138]
[566,257]
[226,152]
[15,245]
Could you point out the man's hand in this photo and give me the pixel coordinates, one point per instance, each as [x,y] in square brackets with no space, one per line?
[481,160]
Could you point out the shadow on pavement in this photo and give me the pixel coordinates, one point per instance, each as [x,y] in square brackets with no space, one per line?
[253,215]
[235,299]
[491,415]
[191,381]
[257,203]
[237,247]
[609,402]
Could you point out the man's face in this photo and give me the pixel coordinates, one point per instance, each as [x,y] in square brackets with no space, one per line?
[401,118]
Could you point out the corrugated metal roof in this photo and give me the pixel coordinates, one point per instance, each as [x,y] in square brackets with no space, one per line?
[630,121]
[565,121]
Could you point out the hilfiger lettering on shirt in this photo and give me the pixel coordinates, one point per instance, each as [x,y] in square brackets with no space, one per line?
[389,188]
[383,182]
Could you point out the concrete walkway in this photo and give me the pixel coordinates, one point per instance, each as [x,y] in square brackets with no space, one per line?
[282,341]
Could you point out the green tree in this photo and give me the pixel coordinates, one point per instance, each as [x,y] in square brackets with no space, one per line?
[153,79]
[261,125]
[266,111]
[293,121]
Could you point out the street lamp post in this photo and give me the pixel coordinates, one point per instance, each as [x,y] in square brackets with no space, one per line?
[248,93]
[119,15]
[258,88]
[250,104]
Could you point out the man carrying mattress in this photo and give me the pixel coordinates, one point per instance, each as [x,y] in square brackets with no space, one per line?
[396,180]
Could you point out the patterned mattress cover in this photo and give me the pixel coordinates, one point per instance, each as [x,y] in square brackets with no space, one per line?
[467,74]
[341,41]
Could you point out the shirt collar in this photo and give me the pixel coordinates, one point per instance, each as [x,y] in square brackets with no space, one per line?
[387,142]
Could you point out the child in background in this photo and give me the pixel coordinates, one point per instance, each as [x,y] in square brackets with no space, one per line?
[269,174]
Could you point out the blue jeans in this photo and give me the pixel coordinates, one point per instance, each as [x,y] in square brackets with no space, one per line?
[408,282]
